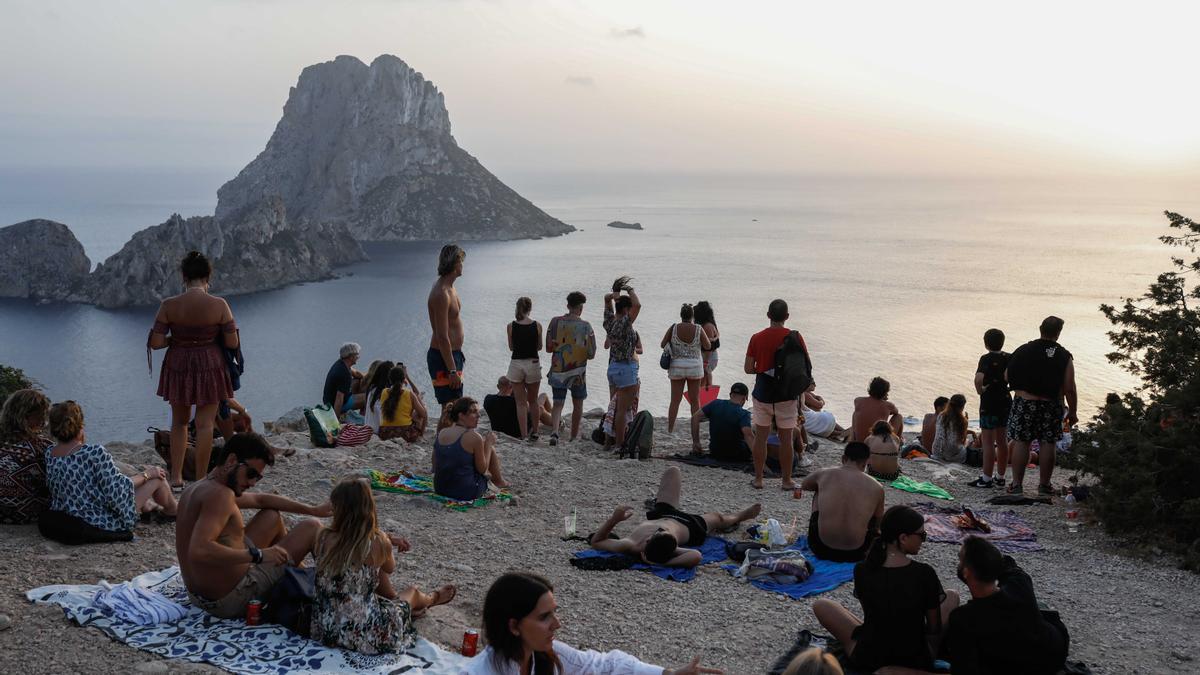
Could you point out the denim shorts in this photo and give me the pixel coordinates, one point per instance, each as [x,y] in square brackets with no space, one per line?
[623,374]
[577,384]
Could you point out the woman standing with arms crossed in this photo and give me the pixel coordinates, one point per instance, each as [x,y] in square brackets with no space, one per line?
[525,369]
[687,342]
[193,326]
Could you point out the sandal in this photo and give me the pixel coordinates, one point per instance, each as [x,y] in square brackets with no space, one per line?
[554,438]
[1047,490]
[1014,489]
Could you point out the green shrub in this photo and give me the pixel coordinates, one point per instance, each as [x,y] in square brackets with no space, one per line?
[1143,445]
[12,379]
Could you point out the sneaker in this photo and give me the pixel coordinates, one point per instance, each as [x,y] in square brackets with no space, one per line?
[1047,490]
[806,461]
[999,481]
[981,482]
[554,439]
[533,438]
[812,446]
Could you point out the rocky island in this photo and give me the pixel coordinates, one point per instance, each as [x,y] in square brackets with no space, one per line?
[625,226]
[41,260]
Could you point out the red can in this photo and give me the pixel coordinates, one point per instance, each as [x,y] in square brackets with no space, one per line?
[797,492]
[253,613]
[470,643]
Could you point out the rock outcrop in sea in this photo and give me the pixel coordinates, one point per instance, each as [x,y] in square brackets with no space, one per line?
[370,147]
[621,225]
[41,260]
[255,249]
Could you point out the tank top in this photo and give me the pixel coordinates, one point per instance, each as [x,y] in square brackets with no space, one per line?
[455,476]
[524,340]
[681,350]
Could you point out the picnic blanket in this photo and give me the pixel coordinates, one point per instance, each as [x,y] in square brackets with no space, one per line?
[711,551]
[826,576]
[231,644]
[412,484]
[1010,533]
[920,487]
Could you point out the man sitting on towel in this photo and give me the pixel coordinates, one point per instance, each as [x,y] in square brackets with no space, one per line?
[225,563]
[847,507]
[730,434]
[1002,603]
[667,534]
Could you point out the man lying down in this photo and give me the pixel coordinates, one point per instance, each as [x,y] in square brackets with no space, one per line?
[667,535]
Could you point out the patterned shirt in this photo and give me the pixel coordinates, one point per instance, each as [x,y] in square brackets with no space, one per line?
[622,338]
[87,485]
[23,492]
[575,343]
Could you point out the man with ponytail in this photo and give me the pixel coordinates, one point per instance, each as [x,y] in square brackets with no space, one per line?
[847,505]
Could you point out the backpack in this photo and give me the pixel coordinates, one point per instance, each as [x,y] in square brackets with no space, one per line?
[793,369]
[639,439]
[289,603]
[323,425]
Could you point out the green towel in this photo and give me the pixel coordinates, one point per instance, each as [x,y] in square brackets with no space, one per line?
[411,484]
[909,485]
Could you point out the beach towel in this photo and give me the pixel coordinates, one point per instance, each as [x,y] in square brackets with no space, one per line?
[826,575]
[711,551]
[412,484]
[920,487]
[137,605]
[231,644]
[1010,533]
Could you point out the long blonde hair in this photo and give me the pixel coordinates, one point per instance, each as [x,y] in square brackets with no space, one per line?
[354,524]
[814,661]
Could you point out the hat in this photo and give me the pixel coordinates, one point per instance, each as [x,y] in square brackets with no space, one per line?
[349,349]
[739,388]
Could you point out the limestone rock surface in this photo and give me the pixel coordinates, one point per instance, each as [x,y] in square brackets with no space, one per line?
[369,147]
[257,250]
[41,260]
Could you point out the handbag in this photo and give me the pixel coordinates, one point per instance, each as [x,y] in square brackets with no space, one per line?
[665,359]
[323,425]
[353,434]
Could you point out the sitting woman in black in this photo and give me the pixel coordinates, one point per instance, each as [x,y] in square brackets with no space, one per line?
[904,606]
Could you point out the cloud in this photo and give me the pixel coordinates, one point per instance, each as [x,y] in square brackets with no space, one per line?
[581,80]
[622,33]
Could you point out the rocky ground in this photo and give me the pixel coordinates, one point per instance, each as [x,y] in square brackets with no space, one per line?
[1126,615]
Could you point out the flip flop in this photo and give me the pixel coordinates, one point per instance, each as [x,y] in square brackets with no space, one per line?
[176,489]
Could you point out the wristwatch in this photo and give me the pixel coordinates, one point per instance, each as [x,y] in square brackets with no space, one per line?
[255,554]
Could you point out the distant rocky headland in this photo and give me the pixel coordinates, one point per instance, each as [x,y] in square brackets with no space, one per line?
[362,153]
[625,226]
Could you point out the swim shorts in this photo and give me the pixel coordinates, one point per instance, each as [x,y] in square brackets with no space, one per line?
[559,386]
[784,413]
[1035,421]
[441,377]
[825,552]
[990,422]
[696,525]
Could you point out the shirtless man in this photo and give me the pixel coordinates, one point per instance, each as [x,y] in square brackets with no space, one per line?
[667,534]
[847,507]
[873,407]
[222,558]
[445,358]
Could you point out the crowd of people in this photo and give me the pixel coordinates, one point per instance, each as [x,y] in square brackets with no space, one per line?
[78,493]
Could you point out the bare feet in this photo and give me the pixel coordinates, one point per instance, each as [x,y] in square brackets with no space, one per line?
[749,512]
[756,483]
[501,483]
[788,485]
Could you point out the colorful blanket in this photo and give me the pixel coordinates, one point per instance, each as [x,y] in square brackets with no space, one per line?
[231,644]
[826,576]
[412,484]
[928,489]
[711,551]
[1010,533]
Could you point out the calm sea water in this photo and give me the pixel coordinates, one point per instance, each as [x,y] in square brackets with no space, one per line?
[887,277]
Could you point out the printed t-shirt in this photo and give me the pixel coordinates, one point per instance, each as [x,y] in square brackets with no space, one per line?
[575,343]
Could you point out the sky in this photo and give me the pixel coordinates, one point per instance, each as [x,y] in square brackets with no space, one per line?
[1012,88]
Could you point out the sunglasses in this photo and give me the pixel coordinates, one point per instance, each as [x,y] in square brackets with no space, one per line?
[251,472]
[922,534]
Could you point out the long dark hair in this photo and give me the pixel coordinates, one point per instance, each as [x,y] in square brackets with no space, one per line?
[513,597]
[954,420]
[397,376]
[704,313]
[378,382]
[897,520]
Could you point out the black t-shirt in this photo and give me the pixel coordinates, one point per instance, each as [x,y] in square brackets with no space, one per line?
[895,601]
[502,414]
[995,388]
[1039,367]
[1030,644]
[338,379]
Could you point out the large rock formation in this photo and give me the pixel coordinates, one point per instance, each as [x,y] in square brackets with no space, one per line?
[256,251]
[370,147]
[41,260]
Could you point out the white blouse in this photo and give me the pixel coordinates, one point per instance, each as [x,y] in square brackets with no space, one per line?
[574,662]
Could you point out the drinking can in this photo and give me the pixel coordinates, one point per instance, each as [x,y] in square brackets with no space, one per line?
[470,643]
[797,492]
[253,613]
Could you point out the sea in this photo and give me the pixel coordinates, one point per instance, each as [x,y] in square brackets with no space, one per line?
[886,276]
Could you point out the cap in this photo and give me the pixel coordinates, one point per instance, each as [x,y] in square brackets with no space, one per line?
[739,388]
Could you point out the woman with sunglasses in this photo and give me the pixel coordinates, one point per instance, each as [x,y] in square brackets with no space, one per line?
[904,606]
[463,460]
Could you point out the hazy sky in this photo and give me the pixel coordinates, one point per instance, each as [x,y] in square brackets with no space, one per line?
[928,87]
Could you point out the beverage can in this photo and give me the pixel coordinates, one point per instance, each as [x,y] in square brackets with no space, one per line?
[253,613]
[470,643]
[797,492]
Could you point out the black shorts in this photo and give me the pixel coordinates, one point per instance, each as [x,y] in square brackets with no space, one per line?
[1035,421]
[836,554]
[696,526]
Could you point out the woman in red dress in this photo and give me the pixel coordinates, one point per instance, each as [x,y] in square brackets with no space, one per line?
[193,326]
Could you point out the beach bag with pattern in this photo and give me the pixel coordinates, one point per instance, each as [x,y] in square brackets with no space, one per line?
[323,425]
[353,434]
[639,440]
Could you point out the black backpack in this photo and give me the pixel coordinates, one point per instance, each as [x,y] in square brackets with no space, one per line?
[639,439]
[793,369]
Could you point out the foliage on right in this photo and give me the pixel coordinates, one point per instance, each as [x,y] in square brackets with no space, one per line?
[1145,445]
